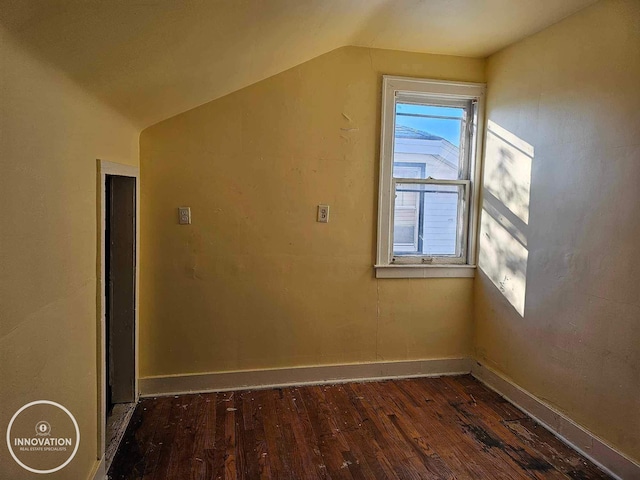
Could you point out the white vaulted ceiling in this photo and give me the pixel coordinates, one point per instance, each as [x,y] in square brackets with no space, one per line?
[152,59]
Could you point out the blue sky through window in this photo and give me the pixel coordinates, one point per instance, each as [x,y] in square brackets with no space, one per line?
[445,128]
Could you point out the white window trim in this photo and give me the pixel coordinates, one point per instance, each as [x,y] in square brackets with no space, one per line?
[423,88]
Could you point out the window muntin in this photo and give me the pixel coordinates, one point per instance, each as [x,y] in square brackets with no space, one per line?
[427,173]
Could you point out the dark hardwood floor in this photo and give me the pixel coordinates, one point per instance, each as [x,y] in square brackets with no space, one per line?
[428,428]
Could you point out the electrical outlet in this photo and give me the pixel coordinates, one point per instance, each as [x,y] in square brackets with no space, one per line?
[323,213]
[184,215]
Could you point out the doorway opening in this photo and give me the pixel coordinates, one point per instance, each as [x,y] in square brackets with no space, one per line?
[119,319]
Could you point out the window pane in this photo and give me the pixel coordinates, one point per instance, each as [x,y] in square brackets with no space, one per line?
[428,137]
[408,170]
[426,219]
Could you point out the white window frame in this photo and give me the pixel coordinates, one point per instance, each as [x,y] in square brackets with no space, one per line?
[427,91]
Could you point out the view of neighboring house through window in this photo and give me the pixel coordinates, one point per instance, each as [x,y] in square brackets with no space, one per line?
[428,155]
[427,145]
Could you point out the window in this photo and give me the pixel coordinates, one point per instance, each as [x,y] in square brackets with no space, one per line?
[429,164]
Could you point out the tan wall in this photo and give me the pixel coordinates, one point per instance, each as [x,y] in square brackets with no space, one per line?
[50,136]
[255,282]
[558,304]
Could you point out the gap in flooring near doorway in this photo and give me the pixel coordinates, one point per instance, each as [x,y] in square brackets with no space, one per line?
[117,422]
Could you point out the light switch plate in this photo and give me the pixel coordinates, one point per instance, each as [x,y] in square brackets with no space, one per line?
[323,213]
[184,215]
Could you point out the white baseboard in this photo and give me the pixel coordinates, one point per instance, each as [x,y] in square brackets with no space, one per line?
[283,377]
[606,457]
[98,472]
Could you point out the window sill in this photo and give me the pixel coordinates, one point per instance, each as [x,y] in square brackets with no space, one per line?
[425,271]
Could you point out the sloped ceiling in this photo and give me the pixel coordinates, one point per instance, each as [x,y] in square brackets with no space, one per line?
[152,59]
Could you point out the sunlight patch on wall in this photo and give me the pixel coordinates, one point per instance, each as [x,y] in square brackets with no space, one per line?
[504,260]
[508,169]
[505,214]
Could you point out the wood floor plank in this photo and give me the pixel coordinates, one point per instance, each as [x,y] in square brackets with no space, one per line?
[367,437]
[563,458]
[386,408]
[427,428]
[414,429]
[156,443]
[330,442]
[244,439]
[219,451]
[181,459]
[489,428]
[230,471]
[164,437]
[475,438]
[288,447]
[361,458]
[273,436]
[203,435]
[442,439]
[311,459]
[262,453]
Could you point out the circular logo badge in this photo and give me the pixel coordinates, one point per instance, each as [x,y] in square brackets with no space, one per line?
[43,428]
[43,437]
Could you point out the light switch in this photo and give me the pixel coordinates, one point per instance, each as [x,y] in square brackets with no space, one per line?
[323,213]
[184,215]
